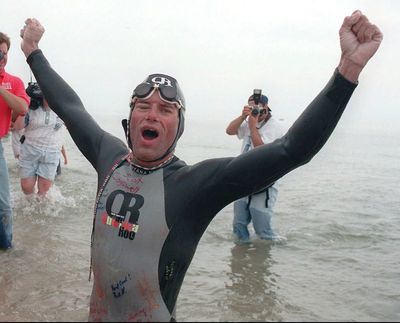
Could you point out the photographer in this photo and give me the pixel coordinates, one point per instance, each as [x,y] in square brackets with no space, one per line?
[255,126]
[41,144]
[13,102]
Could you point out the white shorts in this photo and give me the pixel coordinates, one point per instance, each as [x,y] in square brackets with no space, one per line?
[38,162]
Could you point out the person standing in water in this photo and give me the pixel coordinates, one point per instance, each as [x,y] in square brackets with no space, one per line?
[13,101]
[255,126]
[40,150]
[152,208]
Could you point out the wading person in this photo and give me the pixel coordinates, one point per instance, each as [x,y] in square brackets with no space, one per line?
[152,208]
[40,150]
[255,127]
[13,102]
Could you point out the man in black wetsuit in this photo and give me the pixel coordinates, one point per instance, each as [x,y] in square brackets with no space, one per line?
[152,209]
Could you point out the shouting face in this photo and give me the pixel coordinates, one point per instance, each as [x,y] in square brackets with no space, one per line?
[153,128]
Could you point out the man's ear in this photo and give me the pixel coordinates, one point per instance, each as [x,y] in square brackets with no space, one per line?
[124,123]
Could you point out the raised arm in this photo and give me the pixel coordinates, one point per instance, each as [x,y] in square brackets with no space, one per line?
[234,125]
[61,97]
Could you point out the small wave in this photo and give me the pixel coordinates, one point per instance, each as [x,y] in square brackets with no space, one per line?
[50,205]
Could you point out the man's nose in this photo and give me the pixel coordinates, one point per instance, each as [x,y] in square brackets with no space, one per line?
[153,113]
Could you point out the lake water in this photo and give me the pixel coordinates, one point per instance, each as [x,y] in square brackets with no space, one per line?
[339,215]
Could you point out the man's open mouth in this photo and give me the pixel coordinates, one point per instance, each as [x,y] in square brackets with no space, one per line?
[149,134]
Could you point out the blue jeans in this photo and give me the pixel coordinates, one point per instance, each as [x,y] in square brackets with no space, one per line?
[257,208]
[5,207]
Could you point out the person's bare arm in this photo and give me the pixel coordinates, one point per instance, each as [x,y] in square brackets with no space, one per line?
[64,153]
[15,103]
[255,135]
[233,127]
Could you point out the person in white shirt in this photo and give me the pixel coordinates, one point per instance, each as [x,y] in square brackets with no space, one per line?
[255,126]
[42,141]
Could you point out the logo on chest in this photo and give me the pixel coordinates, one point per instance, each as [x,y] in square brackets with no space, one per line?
[122,212]
[6,85]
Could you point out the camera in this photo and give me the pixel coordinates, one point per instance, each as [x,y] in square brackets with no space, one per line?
[1,55]
[36,95]
[255,110]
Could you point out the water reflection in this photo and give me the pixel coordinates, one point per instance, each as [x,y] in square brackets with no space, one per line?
[251,289]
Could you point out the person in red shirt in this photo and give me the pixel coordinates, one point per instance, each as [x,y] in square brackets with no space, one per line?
[13,102]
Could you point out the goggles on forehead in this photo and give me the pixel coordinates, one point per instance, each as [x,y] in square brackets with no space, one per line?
[168,89]
[167,93]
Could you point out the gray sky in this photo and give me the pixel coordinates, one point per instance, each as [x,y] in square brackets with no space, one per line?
[219,50]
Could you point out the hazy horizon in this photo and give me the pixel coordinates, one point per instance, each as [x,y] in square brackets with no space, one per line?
[218,50]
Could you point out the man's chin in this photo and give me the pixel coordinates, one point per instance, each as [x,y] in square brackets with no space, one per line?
[147,159]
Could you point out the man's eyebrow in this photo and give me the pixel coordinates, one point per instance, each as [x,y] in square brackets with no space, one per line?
[168,105]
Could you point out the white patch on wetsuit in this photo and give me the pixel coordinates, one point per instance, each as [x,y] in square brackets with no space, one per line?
[125,266]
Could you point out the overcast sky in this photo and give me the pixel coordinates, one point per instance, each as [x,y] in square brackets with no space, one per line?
[219,50]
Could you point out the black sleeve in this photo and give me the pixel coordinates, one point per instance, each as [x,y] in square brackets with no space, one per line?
[265,164]
[99,147]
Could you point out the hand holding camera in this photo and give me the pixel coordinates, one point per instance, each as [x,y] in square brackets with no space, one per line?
[256,110]
[246,111]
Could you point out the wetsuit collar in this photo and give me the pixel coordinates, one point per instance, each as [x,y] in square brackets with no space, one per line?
[147,170]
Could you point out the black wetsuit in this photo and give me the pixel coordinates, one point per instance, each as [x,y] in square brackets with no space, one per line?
[147,225]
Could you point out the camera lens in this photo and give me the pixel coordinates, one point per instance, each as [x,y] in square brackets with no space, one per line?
[254,112]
